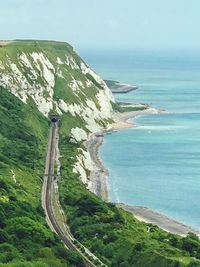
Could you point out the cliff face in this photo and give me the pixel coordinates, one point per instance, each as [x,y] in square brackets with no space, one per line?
[57,80]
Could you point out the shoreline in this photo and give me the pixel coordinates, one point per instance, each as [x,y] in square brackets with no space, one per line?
[164,222]
[121,119]
[99,176]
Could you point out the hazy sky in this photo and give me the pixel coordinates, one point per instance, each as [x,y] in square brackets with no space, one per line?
[112,24]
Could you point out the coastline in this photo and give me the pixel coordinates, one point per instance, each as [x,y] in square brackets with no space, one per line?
[162,221]
[121,119]
[99,175]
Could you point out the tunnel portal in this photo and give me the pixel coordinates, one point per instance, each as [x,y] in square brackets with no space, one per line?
[54,118]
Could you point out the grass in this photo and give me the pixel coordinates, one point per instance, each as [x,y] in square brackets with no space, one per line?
[112,234]
[25,239]
[118,107]
[52,50]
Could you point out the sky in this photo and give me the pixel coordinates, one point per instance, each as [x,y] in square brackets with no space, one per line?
[104,24]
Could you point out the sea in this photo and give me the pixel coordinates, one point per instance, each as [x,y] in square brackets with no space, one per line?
[157,164]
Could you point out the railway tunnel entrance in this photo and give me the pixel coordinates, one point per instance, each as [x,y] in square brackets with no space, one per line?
[54,118]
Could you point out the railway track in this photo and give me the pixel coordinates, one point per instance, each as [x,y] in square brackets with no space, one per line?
[47,197]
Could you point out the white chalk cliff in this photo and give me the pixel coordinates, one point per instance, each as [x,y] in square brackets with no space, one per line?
[53,76]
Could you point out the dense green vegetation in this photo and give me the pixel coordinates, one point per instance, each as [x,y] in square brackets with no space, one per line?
[114,235]
[25,239]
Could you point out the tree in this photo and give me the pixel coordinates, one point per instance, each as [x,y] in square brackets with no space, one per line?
[69,256]
[8,252]
[4,237]
[138,247]
[27,230]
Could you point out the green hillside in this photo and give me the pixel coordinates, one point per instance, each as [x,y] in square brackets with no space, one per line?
[37,79]
[25,239]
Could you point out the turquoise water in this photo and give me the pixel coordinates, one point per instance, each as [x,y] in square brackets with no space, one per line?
[156,165]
